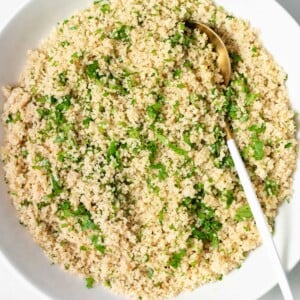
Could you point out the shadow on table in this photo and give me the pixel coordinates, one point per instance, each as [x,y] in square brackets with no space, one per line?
[294,279]
[292,6]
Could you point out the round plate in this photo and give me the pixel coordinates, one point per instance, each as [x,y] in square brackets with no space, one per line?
[33,22]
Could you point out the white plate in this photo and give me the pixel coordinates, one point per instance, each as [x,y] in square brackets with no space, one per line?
[34,20]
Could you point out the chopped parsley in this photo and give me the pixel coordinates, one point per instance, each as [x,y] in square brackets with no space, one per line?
[62,78]
[99,247]
[176,258]
[171,146]
[121,33]
[56,187]
[154,111]
[271,187]
[150,273]
[228,197]
[205,225]
[162,170]
[89,282]
[258,129]
[288,145]
[13,118]
[93,70]
[258,148]
[243,213]
[177,73]
[184,36]
[64,44]
[236,58]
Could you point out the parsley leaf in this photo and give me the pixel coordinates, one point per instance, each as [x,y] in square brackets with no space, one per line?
[89,282]
[122,33]
[162,174]
[271,187]
[93,69]
[150,273]
[176,258]
[99,247]
[243,213]
[258,148]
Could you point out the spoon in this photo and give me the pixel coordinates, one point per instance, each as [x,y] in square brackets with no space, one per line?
[224,65]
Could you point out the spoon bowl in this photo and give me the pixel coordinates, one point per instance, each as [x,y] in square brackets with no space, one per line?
[223,61]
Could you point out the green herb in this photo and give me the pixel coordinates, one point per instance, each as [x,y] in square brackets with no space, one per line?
[154,111]
[162,138]
[75,56]
[177,149]
[243,213]
[180,85]
[188,64]
[13,118]
[176,258]
[42,163]
[254,49]
[258,148]
[92,70]
[235,58]
[182,38]
[107,283]
[140,234]
[215,148]
[114,152]
[84,218]
[251,98]
[65,209]
[288,145]
[43,112]
[176,106]
[41,205]
[86,122]
[105,8]
[213,20]
[187,139]
[90,282]
[205,226]
[75,27]
[99,247]
[64,105]
[225,163]
[162,174]
[122,33]
[26,203]
[177,73]
[107,59]
[56,187]
[271,187]
[150,273]
[152,148]
[64,44]
[228,197]
[258,129]
[161,215]
[62,78]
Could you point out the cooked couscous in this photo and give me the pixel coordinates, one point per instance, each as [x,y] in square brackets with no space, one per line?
[115,152]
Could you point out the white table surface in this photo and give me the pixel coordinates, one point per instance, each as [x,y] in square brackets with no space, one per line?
[12,287]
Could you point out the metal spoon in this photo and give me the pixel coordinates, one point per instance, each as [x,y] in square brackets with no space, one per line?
[224,64]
